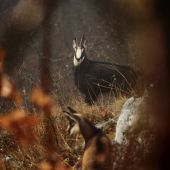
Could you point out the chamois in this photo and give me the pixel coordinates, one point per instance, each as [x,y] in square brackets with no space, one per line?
[98,150]
[92,77]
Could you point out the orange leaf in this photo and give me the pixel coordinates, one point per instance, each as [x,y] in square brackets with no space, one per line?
[8,90]
[42,100]
[21,124]
[104,112]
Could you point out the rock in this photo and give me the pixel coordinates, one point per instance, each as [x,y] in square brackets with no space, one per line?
[135,132]
[134,113]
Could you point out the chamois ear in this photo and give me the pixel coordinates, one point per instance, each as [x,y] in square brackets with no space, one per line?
[70,116]
[74,43]
[71,110]
[84,43]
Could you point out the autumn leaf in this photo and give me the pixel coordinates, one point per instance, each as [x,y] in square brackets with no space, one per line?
[44,101]
[104,112]
[54,165]
[8,90]
[21,124]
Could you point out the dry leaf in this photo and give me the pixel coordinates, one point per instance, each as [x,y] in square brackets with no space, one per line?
[54,164]
[46,166]
[104,112]
[42,100]
[21,124]
[8,90]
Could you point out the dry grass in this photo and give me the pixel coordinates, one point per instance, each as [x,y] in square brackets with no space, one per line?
[34,154]
[117,105]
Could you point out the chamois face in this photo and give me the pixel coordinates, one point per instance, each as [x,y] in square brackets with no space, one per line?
[73,127]
[79,51]
[98,149]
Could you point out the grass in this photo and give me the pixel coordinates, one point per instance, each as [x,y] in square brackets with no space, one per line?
[33,155]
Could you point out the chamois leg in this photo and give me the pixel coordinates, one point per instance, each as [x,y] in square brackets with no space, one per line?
[90,99]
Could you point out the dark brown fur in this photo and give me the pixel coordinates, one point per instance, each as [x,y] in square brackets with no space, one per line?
[98,149]
[92,78]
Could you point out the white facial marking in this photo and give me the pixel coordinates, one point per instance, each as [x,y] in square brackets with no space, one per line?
[76,63]
[78,55]
[75,129]
[78,52]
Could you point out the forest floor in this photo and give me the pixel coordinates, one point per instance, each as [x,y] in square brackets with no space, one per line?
[68,148]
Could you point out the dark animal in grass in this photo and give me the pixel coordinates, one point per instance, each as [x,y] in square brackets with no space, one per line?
[92,77]
[98,150]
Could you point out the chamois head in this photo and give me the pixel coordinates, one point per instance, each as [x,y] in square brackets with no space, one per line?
[72,116]
[98,150]
[79,124]
[73,127]
[79,51]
